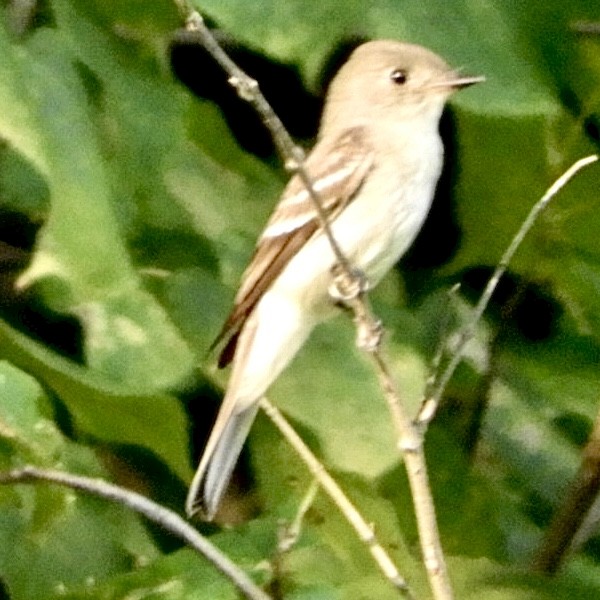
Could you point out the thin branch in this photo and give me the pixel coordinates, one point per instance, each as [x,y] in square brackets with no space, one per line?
[586,27]
[290,532]
[165,518]
[410,443]
[363,529]
[431,402]
[248,89]
[569,517]
[351,287]
[443,332]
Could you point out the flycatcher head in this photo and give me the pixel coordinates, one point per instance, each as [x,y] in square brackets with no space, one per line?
[385,80]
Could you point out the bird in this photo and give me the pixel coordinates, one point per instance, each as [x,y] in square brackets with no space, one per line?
[375,166]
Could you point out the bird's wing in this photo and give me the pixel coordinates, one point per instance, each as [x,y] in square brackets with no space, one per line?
[337,170]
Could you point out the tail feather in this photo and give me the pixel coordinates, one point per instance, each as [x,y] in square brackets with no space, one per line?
[213,474]
[261,353]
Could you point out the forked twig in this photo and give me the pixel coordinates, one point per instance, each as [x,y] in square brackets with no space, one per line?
[431,402]
[363,529]
[290,532]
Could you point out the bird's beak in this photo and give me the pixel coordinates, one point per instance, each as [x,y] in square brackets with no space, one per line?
[465,81]
[455,81]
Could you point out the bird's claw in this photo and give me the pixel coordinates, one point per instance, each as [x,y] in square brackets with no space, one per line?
[347,286]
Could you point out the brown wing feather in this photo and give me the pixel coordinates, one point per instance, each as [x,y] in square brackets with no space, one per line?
[295,221]
[281,251]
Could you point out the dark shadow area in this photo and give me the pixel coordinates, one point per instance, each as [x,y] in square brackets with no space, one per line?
[239,504]
[140,470]
[281,84]
[4,595]
[521,307]
[22,309]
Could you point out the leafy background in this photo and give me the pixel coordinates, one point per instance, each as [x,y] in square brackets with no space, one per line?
[129,206]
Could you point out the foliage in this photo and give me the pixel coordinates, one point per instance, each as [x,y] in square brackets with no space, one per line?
[146,207]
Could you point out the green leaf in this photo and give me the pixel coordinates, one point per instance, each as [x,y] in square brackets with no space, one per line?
[99,408]
[80,253]
[46,527]
[180,575]
[24,428]
[538,389]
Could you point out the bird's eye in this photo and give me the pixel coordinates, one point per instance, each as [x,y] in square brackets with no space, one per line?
[399,76]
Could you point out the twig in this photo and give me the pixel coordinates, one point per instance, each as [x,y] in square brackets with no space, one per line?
[290,532]
[569,517]
[368,327]
[586,27]
[411,445]
[443,331]
[431,402]
[165,518]
[248,89]
[363,529]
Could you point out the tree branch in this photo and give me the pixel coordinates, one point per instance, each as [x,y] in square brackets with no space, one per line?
[431,401]
[328,484]
[165,518]
[350,283]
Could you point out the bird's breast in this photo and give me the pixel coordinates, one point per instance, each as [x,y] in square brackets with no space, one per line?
[389,211]
[374,230]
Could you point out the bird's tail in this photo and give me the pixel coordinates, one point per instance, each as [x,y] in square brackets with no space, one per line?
[219,459]
[268,341]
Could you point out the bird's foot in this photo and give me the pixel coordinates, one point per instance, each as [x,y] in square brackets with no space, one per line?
[347,286]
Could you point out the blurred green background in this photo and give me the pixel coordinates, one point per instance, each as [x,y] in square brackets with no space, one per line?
[133,184]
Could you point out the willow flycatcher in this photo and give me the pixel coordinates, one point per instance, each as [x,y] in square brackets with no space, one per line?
[375,167]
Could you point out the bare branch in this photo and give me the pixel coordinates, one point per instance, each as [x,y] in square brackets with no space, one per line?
[410,443]
[363,529]
[165,518]
[586,27]
[350,284]
[290,533]
[431,402]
